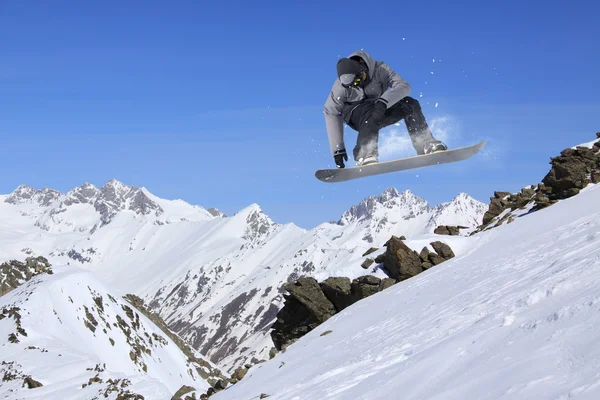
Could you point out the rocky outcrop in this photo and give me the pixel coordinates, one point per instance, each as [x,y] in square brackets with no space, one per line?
[309,303]
[15,273]
[209,373]
[571,171]
[448,230]
[401,261]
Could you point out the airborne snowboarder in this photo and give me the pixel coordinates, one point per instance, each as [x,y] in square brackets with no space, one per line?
[360,98]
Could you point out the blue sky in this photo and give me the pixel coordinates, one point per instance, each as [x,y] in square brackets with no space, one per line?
[221,104]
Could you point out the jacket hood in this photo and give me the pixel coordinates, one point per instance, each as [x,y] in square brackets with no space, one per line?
[368,60]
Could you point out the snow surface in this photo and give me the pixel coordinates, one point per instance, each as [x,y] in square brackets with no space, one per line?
[193,267]
[517,316]
[74,328]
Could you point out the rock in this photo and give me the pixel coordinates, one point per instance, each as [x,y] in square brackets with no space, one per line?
[400,261]
[338,291]
[427,264]
[596,177]
[598,135]
[305,308]
[263,396]
[435,259]
[447,230]
[424,254]
[308,292]
[239,373]
[365,286]
[501,195]
[221,384]
[182,391]
[32,383]
[371,250]
[380,258]
[272,353]
[443,250]
[386,283]
[367,263]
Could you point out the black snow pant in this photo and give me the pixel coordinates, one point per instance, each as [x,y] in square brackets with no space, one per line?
[407,109]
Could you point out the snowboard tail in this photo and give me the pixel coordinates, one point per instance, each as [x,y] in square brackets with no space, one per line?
[402,164]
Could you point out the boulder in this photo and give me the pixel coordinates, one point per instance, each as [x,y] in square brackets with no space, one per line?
[338,291]
[400,261]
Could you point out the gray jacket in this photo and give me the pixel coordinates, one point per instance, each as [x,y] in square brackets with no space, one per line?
[342,101]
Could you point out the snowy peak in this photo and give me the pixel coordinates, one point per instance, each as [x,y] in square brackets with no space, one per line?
[463,210]
[116,196]
[27,195]
[257,224]
[84,194]
[390,200]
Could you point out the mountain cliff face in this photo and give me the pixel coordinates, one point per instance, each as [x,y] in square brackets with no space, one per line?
[215,279]
[65,334]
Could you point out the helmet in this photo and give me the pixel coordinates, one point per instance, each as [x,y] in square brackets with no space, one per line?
[350,72]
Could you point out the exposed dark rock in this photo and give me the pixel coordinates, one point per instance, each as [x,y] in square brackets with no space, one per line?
[571,171]
[424,254]
[204,369]
[400,261]
[386,283]
[448,230]
[182,391]
[338,291]
[365,286]
[239,373]
[371,250]
[443,250]
[380,258]
[32,383]
[308,292]
[367,263]
[15,273]
[435,259]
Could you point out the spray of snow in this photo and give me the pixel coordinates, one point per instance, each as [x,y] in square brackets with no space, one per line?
[394,142]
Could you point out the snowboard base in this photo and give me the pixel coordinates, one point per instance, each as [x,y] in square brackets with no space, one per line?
[402,164]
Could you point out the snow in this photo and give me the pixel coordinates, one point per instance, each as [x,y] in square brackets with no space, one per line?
[193,268]
[514,317]
[589,145]
[74,328]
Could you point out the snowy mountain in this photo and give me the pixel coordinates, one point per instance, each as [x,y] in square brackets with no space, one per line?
[515,316]
[87,208]
[215,279]
[67,336]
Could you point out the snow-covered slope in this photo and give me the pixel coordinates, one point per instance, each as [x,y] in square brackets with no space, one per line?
[214,279]
[515,317]
[66,332]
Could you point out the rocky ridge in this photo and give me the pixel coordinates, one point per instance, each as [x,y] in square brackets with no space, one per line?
[571,172]
[308,303]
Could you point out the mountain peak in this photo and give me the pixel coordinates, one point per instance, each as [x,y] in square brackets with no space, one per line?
[389,199]
[26,194]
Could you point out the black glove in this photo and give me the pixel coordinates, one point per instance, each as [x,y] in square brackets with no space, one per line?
[339,158]
[378,111]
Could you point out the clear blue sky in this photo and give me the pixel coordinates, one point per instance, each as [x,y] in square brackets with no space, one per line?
[220,104]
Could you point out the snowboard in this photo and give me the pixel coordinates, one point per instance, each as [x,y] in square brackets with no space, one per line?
[401,164]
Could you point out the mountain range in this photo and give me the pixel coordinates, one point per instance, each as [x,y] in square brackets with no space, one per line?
[215,279]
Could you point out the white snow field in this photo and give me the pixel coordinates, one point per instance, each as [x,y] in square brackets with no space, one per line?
[194,268]
[517,316]
[69,329]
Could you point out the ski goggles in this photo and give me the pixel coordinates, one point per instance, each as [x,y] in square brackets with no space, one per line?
[350,80]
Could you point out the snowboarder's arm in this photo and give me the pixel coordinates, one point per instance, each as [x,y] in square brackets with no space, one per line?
[334,121]
[398,87]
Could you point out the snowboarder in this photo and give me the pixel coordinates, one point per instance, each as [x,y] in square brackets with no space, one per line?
[360,98]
